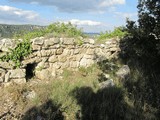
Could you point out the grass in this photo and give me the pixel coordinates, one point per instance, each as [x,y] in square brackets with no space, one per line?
[77,96]
[116,33]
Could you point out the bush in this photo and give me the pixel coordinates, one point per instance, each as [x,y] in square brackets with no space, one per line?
[24,48]
[117,32]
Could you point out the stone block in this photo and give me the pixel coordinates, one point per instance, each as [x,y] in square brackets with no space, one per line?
[62,58]
[59,51]
[51,42]
[17,73]
[45,53]
[74,64]
[44,74]
[2,75]
[38,41]
[19,81]
[90,51]
[7,75]
[36,47]
[68,41]
[53,59]
[6,65]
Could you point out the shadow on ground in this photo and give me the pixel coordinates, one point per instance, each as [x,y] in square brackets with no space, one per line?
[47,111]
[105,104]
[143,59]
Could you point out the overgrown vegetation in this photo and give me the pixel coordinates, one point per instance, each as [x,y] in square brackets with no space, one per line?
[140,50]
[8,31]
[79,97]
[118,32]
[16,55]
[24,47]
[53,30]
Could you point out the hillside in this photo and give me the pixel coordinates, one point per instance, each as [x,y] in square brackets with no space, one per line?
[8,31]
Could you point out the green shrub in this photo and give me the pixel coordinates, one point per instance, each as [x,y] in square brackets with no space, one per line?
[67,30]
[117,32]
[23,49]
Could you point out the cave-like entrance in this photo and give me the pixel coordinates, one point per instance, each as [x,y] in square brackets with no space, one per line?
[30,69]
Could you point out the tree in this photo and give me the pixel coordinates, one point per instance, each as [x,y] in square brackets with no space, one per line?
[149,16]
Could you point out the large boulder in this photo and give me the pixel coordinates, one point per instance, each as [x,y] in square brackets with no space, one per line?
[43,74]
[2,75]
[106,84]
[123,72]
[17,73]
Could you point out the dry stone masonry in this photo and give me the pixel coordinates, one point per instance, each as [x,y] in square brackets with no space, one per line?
[51,56]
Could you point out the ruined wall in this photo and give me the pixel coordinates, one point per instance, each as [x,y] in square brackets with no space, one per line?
[51,56]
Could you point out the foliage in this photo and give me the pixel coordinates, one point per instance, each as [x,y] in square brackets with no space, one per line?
[22,49]
[117,32]
[64,30]
[140,50]
[9,31]
[149,17]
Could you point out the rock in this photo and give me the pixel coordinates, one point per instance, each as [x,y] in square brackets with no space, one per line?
[38,41]
[45,53]
[29,94]
[7,84]
[19,81]
[31,61]
[59,51]
[89,56]
[107,76]
[102,45]
[114,49]
[7,43]
[2,75]
[44,74]
[91,41]
[56,40]
[90,51]
[36,47]
[62,58]
[83,62]
[68,41]
[66,52]
[76,51]
[5,65]
[106,84]
[53,59]
[42,65]
[51,41]
[17,73]
[74,64]
[7,77]
[123,72]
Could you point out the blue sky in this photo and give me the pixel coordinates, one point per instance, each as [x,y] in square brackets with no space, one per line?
[91,15]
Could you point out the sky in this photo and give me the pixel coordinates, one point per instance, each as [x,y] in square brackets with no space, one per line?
[90,15]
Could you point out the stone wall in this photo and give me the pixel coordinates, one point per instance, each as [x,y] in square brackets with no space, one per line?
[51,56]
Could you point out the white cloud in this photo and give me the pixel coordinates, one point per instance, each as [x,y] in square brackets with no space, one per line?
[125,15]
[84,22]
[98,6]
[89,25]
[13,15]
[106,3]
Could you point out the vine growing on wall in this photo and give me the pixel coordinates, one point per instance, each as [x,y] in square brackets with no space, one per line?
[24,47]
[17,54]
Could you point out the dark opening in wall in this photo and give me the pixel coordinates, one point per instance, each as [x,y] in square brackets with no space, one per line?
[112,52]
[30,70]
